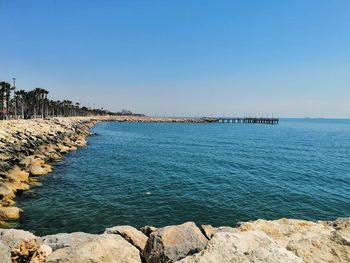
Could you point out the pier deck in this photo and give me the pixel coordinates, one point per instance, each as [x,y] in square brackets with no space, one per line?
[249,120]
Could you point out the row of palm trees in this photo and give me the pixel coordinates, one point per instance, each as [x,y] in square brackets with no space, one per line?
[36,104]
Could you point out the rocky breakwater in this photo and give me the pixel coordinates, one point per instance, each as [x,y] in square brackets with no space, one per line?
[156,119]
[283,240]
[26,149]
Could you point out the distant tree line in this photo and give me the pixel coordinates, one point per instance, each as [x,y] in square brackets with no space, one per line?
[35,103]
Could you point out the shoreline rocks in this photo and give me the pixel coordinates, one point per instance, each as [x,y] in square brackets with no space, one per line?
[172,243]
[26,149]
[283,240]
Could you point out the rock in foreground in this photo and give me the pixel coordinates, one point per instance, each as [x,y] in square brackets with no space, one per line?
[283,240]
[102,248]
[173,243]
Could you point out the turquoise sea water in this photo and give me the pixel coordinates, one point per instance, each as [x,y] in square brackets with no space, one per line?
[160,174]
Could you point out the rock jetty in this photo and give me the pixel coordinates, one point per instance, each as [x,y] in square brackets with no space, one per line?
[26,149]
[283,240]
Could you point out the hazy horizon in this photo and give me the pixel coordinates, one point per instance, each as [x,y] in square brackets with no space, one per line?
[183,58]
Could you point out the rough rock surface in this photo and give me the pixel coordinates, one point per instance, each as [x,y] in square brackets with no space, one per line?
[172,243]
[5,254]
[66,240]
[147,230]
[252,246]
[11,237]
[25,148]
[9,213]
[102,248]
[283,240]
[311,241]
[209,230]
[130,234]
[24,251]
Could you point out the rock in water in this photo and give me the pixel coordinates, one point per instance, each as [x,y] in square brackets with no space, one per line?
[9,212]
[172,243]
[6,191]
[102,248]
[130,234]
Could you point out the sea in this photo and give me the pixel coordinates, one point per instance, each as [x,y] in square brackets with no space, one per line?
[211,173]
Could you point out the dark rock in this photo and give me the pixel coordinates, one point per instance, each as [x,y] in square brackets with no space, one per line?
[147,230]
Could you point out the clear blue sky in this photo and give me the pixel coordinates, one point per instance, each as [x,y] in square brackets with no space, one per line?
[183,57]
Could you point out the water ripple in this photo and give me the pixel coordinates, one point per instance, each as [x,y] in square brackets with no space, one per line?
[161,174]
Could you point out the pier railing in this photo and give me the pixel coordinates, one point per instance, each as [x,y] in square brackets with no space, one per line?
[249,120]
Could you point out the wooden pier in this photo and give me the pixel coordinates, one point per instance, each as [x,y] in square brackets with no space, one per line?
[249,120]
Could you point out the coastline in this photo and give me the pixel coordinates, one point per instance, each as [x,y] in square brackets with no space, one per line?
[283,240]
[27,147]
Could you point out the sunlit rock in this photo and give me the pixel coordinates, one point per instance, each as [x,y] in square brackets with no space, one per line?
[243,247]
[173,243]
[102,248]
[9,212]
[130,234]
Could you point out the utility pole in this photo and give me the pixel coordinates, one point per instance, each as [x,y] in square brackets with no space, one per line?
[14,96]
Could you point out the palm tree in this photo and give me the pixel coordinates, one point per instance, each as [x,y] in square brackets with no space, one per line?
[2,98]
[20,97]
[8,90]
[36,103]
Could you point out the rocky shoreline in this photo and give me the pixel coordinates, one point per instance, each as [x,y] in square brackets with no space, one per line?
[27,147]
[283,240]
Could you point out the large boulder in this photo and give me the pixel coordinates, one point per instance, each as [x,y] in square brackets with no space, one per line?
[321,249]
[63,240]
[172,243]
[102,248]
[311,241]
[16,174]
[35,165]
[30,251]
[6,191]
[9,212]
[16,186]
[283,230]
[130,234]
[244,247]
[40,169]
[11,237]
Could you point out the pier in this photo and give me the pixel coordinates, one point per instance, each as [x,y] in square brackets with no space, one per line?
[249,120]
